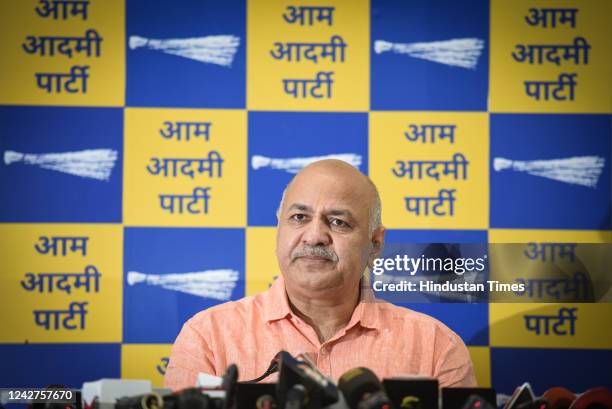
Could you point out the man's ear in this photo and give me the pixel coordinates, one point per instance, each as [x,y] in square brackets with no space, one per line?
[378,243]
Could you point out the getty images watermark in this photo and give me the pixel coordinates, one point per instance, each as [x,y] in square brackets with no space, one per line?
[458,266]
[485,272]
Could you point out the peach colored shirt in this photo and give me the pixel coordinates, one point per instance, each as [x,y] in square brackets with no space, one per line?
[390,340]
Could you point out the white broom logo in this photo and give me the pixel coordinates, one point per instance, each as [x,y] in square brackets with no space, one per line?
[217,49]
[577,170]
[215,284]
[459,52]
[294,165]
[91,163]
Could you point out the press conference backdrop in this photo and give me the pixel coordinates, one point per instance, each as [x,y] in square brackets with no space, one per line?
[145,146]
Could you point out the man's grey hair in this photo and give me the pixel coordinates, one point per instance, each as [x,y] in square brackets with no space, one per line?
[375,212]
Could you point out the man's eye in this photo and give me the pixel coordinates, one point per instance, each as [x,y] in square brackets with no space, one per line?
[298,217]
[338,223]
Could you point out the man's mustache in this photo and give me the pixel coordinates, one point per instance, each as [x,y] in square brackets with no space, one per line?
[314,251]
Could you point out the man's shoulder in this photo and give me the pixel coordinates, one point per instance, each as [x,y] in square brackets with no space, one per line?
[229,311]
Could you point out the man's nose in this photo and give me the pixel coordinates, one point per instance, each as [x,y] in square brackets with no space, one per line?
[316,233]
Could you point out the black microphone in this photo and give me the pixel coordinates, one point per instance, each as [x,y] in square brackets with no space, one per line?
[228,384]
[317,391]
[192,398]
[265,402]
[362,390]
[458,398]
[477,402]
[412,392]
[297,397]
[146,401]
[263,394]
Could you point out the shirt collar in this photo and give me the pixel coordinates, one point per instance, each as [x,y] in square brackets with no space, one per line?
[366,312]
[276,305]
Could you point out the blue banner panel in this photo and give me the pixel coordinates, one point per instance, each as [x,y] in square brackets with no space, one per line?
[39,365]
[550,171]
[61,164]
[574,369]
[186,53]
[281,143]
[173,273]
[429,55]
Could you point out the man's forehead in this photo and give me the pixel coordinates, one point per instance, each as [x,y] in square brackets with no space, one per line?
[331,210]
[336,191]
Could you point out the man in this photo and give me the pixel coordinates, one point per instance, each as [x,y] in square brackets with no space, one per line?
[329,231]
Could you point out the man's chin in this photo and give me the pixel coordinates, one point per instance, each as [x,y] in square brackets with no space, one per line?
[316,281]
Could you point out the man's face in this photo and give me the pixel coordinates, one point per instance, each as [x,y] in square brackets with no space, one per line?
[322,238]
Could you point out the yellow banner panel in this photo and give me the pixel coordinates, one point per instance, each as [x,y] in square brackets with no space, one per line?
[67,53]
[308,57]
[551,57]
[185,167]
[431,168]
[145,361]
[61,283]
[569,325]
[261,264]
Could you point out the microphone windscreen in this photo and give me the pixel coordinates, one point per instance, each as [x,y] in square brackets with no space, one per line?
[559,398]
[596,398]
[356,383]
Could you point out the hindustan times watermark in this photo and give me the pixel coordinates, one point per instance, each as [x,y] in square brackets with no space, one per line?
[432,286]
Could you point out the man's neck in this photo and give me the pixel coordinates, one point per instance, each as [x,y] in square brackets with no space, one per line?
[327,314]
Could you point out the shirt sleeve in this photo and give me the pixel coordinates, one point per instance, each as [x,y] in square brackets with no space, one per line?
[190,356]
[454,367]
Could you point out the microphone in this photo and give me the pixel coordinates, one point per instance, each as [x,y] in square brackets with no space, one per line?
[362,390]
[314,390]
[559,398]
[412,392]
[146,401]
[297,397]
[192,398]
[477,402]
[263,394]
[595,398]
[265,402]
[521,396]
[459,398]
[104,393]
[211,397]
[230,379]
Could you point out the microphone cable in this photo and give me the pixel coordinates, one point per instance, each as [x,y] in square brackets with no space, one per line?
[271,369]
